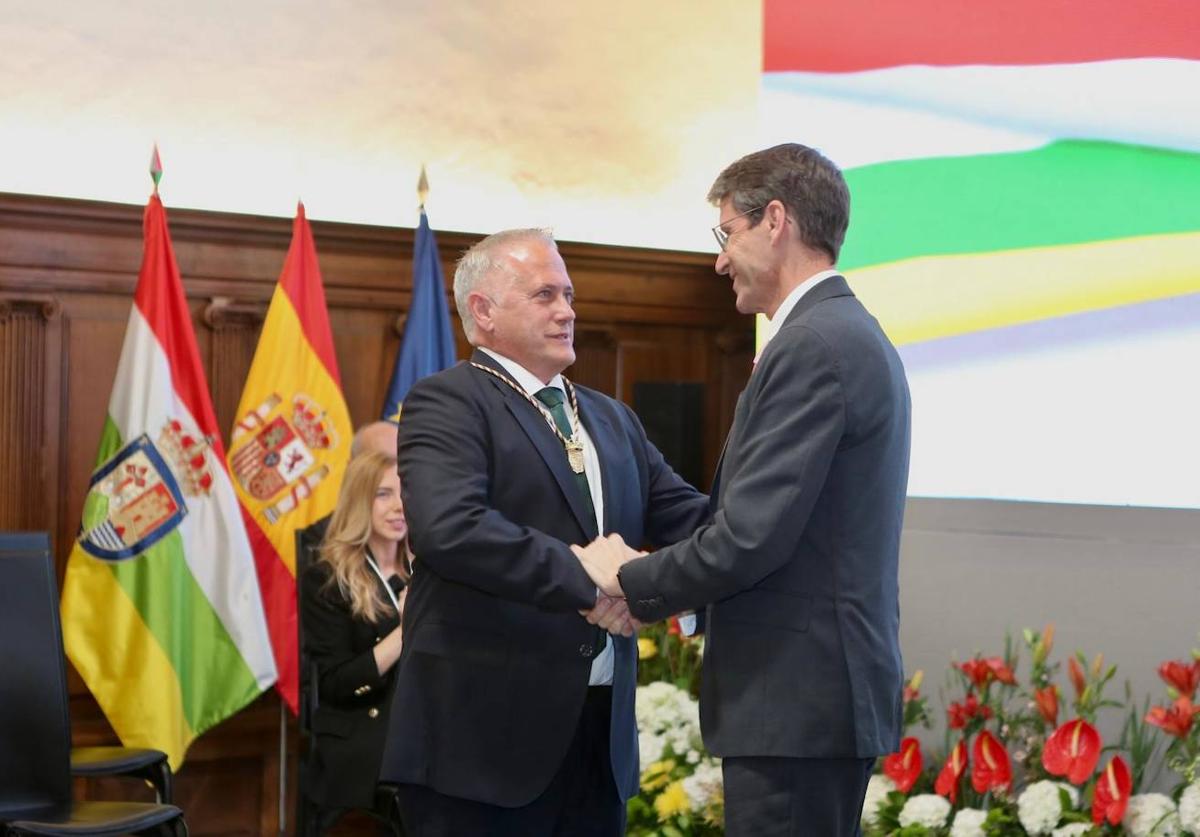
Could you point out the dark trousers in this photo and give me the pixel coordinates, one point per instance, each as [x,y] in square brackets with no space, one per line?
[581,800]
[783,797]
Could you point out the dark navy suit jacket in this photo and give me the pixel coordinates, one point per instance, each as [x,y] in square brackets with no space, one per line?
[496,660]
[798,567]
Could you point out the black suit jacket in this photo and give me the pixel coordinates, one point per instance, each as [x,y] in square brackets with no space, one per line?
[496,657]
[350,719]
[799,564]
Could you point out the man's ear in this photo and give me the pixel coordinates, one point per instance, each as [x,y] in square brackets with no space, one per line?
[775,217]
[480,305]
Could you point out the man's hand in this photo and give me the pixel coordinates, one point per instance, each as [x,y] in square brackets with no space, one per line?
[602,558]
[612,615]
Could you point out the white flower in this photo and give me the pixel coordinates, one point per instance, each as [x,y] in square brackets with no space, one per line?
[1189,808]
[1039,807]
[692,757]
[650,749]
[705,786]
[878,787]
[968,823]
[1074,829]
[669,714]
[1151,815]
[926,809]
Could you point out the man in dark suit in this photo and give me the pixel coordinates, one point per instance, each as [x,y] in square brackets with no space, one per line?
[513,715]
[802,676]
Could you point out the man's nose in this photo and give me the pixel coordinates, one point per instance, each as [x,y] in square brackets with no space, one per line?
[722,265]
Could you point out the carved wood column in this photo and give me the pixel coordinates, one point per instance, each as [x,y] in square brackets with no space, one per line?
[26,460]
[235,326]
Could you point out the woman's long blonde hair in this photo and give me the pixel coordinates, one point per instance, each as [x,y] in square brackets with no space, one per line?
[345,544]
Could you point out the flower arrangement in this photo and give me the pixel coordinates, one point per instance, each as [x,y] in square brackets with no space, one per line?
[681,788]
[1023,758]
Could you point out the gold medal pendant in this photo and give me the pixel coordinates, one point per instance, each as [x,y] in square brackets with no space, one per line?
[575,456]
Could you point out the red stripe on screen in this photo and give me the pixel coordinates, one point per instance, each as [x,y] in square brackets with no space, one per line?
[839,36]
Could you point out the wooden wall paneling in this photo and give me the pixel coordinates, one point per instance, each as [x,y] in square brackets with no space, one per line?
[597,363]
[366,344]
[25,393]
[229,328]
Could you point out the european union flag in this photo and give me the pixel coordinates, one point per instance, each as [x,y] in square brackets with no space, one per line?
[428,342]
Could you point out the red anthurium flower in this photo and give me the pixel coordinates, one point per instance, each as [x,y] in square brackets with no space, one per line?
[1001,671]
[1112,792]
[978,671]
[952,771]
[1047,703]
[1176,718]
[673,626]
[1072,751]
[1077,678]
[990,766]
[904,767]
[960,713]
[1181,675]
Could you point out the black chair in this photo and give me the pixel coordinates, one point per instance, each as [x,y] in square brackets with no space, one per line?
[151,766]
[35,726]
[312,818]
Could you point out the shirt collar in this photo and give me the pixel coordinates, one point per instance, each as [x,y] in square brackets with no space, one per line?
[527,380]
[789,302]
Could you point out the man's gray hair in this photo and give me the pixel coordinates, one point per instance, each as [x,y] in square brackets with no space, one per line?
[483,261]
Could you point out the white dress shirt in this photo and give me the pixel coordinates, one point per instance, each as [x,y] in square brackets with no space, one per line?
[789,302]
[602,666]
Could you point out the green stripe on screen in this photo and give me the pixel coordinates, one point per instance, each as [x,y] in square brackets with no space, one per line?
[1069,192]
[213,677]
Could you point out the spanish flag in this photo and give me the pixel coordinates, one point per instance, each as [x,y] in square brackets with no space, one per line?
[291,440]
[161,613]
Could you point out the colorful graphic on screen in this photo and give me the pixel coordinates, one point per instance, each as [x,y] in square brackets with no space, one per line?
[1025,223]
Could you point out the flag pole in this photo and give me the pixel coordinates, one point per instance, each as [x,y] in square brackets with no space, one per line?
[422,189]
[156,168]
[283,768]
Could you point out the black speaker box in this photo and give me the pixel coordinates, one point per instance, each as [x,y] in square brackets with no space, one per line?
[672,413]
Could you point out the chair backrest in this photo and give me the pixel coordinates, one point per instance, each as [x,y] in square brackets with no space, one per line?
[35,725]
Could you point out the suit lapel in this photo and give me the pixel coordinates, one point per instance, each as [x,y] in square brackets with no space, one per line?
[600,430]
[547,445]
[834,286]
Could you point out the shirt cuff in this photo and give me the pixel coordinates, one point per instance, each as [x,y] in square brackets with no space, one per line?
[687,624]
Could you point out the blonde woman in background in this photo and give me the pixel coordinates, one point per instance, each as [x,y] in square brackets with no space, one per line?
[351,602]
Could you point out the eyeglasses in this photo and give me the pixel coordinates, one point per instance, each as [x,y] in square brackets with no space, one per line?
[719,232]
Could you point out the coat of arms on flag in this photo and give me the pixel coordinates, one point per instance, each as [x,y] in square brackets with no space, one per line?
[138,496]
[272,452]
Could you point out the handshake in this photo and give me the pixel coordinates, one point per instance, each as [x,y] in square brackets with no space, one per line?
[602,559]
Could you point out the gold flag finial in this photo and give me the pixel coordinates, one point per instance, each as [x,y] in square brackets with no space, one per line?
[422,188]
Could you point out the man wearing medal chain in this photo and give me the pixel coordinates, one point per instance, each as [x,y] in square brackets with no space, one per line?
[513,712]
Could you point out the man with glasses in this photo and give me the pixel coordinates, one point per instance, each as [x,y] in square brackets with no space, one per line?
[798,568]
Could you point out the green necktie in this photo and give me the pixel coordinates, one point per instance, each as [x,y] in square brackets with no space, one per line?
[552,397]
